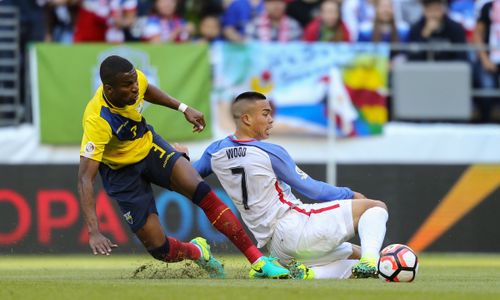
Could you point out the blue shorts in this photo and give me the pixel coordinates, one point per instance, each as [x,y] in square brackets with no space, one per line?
[130,186]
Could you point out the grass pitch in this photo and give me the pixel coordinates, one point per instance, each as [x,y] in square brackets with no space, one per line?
[138,277]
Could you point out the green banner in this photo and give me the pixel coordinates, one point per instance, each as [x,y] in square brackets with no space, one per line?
[69,75]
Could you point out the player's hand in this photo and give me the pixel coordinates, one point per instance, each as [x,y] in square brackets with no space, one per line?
[196,118]
[181,148]
[100,244]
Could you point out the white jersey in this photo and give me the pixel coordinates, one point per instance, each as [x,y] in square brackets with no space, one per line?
[258,177]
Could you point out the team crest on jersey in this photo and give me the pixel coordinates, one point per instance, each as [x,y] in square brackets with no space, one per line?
[301,173]
[128,218]
[90,148]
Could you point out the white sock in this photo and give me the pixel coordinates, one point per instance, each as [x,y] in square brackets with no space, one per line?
[201,251]
[340,269]
[371,229]
[258,259]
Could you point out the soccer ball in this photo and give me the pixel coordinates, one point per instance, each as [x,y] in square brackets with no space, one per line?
[397,263]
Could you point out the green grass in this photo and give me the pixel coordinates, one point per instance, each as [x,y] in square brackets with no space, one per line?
[86,277]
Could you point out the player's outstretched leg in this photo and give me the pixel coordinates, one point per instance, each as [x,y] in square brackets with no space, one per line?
[207,261]
[226,222]
[370,218]
[187,181]
[340,269]
[268,267]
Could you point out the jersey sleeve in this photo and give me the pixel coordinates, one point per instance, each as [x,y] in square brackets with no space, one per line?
[204,165]
[287,171]
[96,135]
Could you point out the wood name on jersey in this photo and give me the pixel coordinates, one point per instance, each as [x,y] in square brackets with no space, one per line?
[236,152]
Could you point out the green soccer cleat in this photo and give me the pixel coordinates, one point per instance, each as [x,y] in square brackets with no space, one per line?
[207,261]
[268,267]
[299,270]
[365,268]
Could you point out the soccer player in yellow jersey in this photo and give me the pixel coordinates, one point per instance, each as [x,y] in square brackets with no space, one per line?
[119,144]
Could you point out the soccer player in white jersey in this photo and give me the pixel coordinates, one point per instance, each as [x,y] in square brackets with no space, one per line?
[259,178]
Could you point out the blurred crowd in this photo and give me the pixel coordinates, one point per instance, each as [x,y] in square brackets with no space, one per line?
[117,21]
[179,21]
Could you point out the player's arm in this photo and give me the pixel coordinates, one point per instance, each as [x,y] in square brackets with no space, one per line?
[157,96]
[96,135]
[287,171]
[86,176]
[204,166]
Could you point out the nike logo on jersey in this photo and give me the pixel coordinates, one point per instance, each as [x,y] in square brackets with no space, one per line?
[236,152]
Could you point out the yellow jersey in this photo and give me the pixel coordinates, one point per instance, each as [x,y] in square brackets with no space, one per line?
[116,136]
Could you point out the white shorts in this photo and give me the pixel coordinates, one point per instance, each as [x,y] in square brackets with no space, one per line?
[314,234]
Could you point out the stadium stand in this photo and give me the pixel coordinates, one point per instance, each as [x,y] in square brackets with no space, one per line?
[11,110]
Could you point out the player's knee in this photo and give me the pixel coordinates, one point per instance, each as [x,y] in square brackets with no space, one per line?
[378,203]
[201,191]
[162,252]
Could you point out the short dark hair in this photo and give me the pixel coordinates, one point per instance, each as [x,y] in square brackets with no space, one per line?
[112,66]
[249,96]
[428,2]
